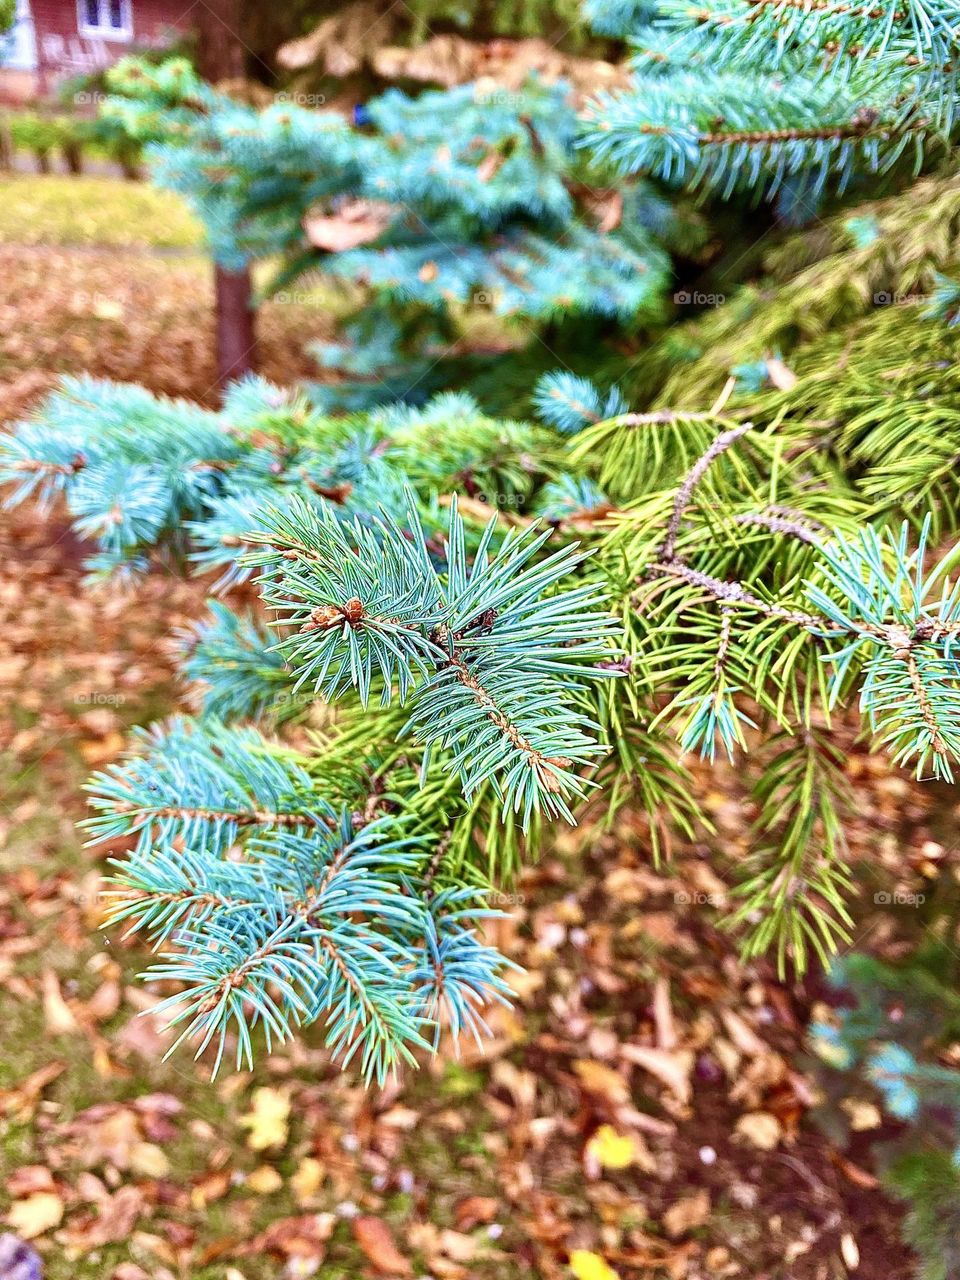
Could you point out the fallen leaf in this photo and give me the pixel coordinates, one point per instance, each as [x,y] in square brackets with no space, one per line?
[301,1237]
[28,1180]
[760,1129]
[23,1098]
[355,223]
[35,1215]
[590,1266]
[57,1014]
[264,1180]
[613,1150]
[597,1077]
[213,1186]
[115,1219]
[663,1015]
[308,1178]
[457,1245]
[849,1251]
[376,1240]
[686,1213]
[863,1114]
[742,1034]
[267,1119]
[474,1210]
[670,1068]
[100,750]
[148,1159]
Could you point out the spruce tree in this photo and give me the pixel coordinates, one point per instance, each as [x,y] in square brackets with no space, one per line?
[421,572]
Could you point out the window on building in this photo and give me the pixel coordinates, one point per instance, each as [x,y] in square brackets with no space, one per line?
[105,19]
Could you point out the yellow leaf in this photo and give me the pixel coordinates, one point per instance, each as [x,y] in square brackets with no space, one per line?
[590,1266]
[267,1119]
[760,1128]
[35,1215]
[264,1180]
[614,1150]
[149,1159]
[307,1180]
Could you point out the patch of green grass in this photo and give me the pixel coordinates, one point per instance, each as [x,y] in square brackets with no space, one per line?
[56,209]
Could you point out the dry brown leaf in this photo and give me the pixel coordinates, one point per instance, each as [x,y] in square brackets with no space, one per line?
[213,1186]
[115,1220]
[21,1101]
[301,1237]
[475,1210]
[457,1245]
[742,1034]
[104,1002]
[100,750]
[28,1180]
[663,1015]
[57,1014]
[670,1068]
[686,1213]
[355,223]
[376,1240]
[598,1078]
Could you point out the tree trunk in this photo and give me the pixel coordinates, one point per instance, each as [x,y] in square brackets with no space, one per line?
[221,57]
[73,157]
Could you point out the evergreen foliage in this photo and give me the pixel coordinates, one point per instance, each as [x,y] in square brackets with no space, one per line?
[763,494]
[783,98]
[890,1041]
[472,199]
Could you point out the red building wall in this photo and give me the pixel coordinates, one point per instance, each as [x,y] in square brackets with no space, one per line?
[62,52]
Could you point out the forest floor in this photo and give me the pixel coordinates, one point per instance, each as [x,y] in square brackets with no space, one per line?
[643,1112]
